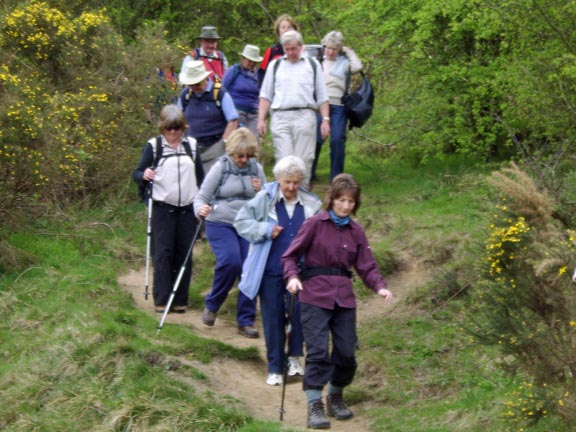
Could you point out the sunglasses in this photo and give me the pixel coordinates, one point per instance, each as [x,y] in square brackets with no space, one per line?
[173,128]
[244,155]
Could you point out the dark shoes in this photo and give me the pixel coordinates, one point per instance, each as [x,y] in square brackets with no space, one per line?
[178,309]
[316,417]
[208,317]
[248,331]
[337,408]
[173,309]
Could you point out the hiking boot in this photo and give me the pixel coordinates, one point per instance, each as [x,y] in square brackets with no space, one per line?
[337,408]
[316,417]
[178,309]
[274,379]
[294,367]
[208,317]
[248,331]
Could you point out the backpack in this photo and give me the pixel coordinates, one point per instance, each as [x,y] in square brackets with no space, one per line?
[312,63]
[252,172]
[195,54]
[359,105]
[143,190]
[235,73]
[217,95]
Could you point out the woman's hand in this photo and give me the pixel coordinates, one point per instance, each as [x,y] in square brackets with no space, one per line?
[149,174]
[383,292]
[294,285]
[276,230]
[204,210]
[256,184]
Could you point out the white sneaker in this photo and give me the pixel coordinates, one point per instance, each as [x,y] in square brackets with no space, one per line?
[294,366]
[274,379]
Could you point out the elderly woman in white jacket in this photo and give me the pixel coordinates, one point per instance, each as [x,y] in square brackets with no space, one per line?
[338,63]
[270,221]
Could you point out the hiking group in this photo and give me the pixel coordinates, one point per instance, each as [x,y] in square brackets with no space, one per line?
[277,239]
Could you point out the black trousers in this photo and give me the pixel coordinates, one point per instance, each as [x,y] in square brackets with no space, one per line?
[323,365]
[172,232]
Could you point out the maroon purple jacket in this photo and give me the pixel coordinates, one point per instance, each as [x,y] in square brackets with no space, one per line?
[321,243]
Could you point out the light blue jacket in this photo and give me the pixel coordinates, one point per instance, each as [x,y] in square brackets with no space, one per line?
[255,221]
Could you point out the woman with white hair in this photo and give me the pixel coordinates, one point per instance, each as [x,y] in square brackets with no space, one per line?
[270,221]
[338,63]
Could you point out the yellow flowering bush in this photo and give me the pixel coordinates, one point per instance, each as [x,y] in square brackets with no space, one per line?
[72,103]
[525,301]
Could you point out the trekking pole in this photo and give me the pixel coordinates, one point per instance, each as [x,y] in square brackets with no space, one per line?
[182,269]
[148,239]
[288,334]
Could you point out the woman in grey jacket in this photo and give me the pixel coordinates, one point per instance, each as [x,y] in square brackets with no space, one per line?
[270,220]
[234,179]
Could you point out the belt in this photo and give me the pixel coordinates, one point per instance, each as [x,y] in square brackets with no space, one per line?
[247,110]
[293,109]
[172,208]
[208,141]
[309,272]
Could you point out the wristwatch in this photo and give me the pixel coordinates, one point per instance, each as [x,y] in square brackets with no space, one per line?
[326,118]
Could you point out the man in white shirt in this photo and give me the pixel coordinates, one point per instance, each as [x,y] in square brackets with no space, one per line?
[292,91]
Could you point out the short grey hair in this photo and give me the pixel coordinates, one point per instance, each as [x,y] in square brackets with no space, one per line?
[171,116]
[333,39]
[291,36]
[289,166]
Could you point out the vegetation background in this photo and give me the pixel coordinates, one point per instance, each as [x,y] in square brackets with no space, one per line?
[464,88]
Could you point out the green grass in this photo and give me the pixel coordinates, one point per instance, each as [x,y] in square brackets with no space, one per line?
[76,355]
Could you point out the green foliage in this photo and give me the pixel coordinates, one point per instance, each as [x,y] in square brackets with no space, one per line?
[470,76]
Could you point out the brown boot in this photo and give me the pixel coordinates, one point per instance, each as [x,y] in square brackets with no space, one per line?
[316,417]
[337,408]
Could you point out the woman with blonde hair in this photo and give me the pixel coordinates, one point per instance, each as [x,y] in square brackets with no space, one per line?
[233,179]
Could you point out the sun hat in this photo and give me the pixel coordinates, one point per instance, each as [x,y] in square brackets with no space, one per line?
[252,53]
[194,72]
[208,32]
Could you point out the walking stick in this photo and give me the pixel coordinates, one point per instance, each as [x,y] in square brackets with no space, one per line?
[285,375]
[148,238]
[182,269]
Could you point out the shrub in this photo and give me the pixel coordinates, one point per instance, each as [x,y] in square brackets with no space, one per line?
[525,302]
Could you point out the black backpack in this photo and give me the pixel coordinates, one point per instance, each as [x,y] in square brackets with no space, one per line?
[143,189]
[359,105]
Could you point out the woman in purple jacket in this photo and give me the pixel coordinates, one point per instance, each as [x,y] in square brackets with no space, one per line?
[317,266]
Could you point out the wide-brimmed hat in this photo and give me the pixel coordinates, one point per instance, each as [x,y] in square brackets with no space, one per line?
[208,32]
[251,52]
[193,72]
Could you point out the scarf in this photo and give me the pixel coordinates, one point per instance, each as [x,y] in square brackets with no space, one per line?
[340,222]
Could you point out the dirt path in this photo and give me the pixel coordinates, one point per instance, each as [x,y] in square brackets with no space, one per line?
[246,381]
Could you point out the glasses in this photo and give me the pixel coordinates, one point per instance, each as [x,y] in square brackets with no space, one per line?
[173,128]
[244,155]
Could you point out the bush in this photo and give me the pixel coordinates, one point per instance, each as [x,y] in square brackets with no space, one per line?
[525,302]
[72,114]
